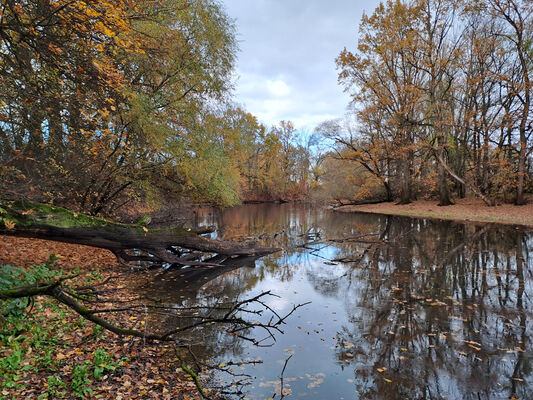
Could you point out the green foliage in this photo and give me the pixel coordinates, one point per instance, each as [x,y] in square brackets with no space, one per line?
[55,388]
[151,73]
[153,119]
[12,277]
[30,342]
[80,381]
[103,362]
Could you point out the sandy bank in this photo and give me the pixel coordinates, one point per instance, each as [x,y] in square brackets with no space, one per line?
[464,210]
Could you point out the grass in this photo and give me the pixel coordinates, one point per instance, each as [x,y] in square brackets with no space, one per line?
[27,213]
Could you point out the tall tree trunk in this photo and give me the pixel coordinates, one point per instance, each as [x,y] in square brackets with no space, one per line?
[388,190]
[516,16]
[520,199]
[405,181]
[444,191]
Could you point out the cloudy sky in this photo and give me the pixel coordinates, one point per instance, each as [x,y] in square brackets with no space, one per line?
[286,67]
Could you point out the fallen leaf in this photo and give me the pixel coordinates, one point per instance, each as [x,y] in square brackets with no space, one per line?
[9,224]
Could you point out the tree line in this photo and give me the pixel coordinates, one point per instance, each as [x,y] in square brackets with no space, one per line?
[441,91]
[106,102]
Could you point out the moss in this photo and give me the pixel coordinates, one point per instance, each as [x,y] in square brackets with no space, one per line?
[145,220]
[27,213]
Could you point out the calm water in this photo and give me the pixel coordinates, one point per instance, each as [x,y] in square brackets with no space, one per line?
[422,310]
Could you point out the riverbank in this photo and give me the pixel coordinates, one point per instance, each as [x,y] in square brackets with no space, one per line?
[61,355]
[464,210]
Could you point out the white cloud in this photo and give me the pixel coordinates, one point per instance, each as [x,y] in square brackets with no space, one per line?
[286,66]
[278,88]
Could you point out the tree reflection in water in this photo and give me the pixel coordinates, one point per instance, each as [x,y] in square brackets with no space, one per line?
[444,315]
[430,310]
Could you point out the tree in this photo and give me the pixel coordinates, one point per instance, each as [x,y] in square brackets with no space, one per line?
[385,78]
[100,97]
[371,151]
[445,88]
[439,55]
[518,16]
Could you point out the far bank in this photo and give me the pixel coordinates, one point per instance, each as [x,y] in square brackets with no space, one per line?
[468,210]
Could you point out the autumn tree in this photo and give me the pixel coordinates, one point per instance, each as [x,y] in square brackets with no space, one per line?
[58,73]
[518,18]
[445,88]
[383,77]
[101,97]
[371,152]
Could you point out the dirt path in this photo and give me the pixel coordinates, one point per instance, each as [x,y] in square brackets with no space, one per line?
[464,210]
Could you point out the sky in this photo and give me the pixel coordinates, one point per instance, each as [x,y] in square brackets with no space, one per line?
[286,63]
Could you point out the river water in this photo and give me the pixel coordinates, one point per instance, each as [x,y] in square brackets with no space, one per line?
[397,308]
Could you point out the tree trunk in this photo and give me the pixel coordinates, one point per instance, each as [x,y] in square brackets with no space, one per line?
[176,246]
[444,192]
[487,201]
[405,187]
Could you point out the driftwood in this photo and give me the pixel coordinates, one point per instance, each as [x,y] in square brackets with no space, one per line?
[175,246]
[342,203]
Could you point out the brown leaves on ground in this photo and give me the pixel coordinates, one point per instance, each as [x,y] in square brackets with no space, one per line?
[26,252]
[147,371]
[469,210]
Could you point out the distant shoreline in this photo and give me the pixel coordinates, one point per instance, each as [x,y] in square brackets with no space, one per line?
[464,210]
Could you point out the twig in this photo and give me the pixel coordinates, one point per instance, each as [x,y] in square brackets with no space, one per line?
[281,377]
[194,377]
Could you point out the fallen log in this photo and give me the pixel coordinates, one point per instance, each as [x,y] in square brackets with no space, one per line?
[177,246]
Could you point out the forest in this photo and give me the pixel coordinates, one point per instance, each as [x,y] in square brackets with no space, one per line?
[104,104]
[107,104]
[442,95]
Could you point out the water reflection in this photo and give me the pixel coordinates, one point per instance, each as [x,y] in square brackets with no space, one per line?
[416,309]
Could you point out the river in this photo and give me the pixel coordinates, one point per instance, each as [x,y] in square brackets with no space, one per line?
[396,308]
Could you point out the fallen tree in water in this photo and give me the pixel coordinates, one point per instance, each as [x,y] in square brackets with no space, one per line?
[175,246]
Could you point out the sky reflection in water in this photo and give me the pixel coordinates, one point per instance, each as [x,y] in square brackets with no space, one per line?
[424,310]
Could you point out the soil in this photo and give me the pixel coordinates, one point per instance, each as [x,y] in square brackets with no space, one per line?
[466,210]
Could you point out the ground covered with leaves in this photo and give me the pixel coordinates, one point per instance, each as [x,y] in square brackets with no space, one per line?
[49,352]
[468,209]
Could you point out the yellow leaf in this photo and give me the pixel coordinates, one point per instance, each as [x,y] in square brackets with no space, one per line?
[9,224]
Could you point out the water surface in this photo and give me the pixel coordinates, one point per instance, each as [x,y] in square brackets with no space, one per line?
[400,308]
